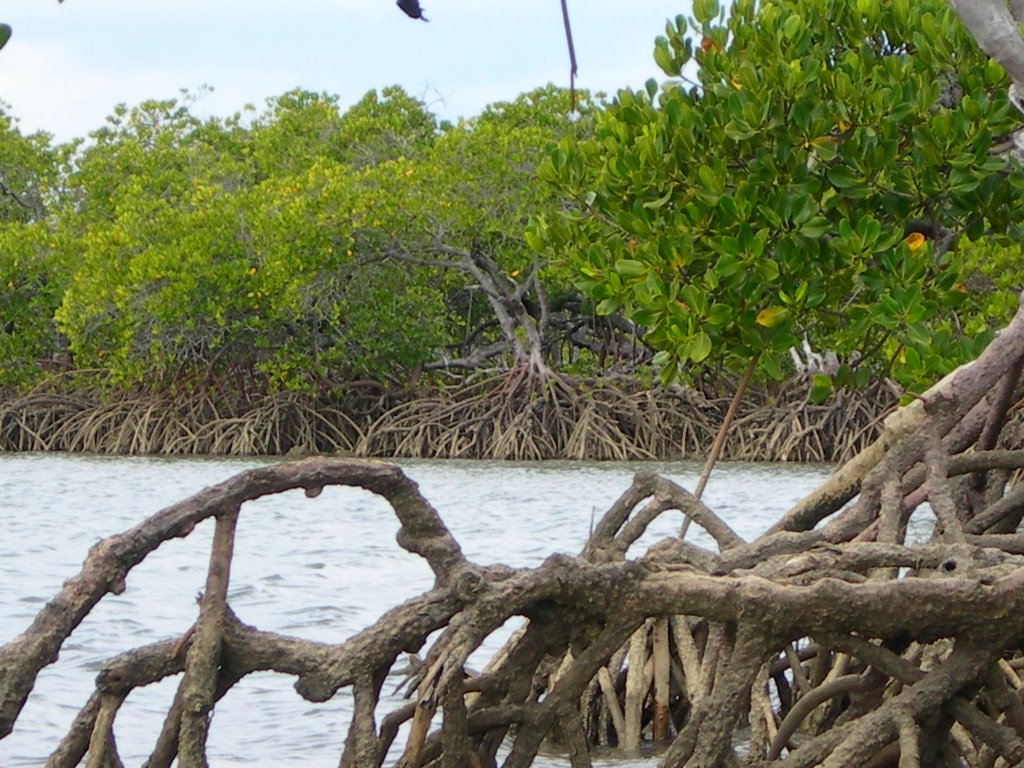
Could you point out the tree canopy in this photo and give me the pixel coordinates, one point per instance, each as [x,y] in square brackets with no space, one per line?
[275,246]
[811,169]
[848,186]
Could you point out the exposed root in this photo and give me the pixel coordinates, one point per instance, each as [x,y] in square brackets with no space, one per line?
[509,416]
[274,425]
[834,641]
[517,415]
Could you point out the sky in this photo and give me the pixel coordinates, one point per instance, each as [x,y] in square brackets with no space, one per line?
[68,64]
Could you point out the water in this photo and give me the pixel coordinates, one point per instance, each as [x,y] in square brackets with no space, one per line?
[319,568]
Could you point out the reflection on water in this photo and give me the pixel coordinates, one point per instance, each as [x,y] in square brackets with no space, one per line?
[316,568]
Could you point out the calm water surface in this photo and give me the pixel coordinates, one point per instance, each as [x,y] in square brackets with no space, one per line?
[316,568]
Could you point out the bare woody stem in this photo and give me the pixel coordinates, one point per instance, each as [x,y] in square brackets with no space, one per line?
[723,432]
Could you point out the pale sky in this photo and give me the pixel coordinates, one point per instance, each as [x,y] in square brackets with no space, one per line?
[67,65]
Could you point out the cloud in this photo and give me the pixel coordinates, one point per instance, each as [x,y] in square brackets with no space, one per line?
[69,65]
[46,91]
[48,88]
[247,7]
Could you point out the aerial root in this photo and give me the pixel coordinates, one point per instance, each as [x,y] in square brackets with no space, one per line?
[838,641]
[675,649]
[516,415]
[196,425]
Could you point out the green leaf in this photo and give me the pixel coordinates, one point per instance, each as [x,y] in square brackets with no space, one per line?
[816,227]
[869,230]
[728,264]
[821,388]
[694,298]
[772,366]
[804,207]
[630,267]
[5,34]
[669,372]
[738,129]
[663,57]
[868,8]
[655,204]
[705,11]
[919,334]
[719,314]
[711,181]
[963,181]
[661,358]
[535,240]
[699,347]
[793,26]
[548,171]
[767,270]
[843,178]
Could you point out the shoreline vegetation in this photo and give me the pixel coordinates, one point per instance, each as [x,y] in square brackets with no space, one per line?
[834,638]
[504,417]
[845,187]
[375,281]
[516,284]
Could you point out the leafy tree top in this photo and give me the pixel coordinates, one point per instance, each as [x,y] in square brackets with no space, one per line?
[266,243]
[810,177]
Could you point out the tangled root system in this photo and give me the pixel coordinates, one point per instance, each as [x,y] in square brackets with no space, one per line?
[517,415]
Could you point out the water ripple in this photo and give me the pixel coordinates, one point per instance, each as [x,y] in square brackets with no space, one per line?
[320,569]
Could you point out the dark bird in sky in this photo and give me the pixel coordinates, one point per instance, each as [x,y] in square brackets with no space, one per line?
[412,9]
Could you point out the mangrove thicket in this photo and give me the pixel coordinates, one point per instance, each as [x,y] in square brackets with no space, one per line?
[823,189]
